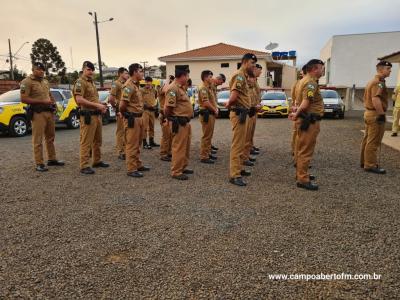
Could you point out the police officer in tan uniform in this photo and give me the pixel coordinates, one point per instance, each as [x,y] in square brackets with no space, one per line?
[239,104]
[257,72]
[91,109]
[208,113]
[131,107]
[35,92]
[178,110]
[396,111]
[166,138]
[115,96]
[254,101]
[293,108]
[307,117]
[376,104]
[149,94]
[216,81]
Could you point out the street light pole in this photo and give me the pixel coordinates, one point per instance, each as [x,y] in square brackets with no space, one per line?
[11,60]
[144,67]
[98,50]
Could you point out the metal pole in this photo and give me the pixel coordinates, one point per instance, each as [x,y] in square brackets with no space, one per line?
[187,38]
[98,51]
[11,61]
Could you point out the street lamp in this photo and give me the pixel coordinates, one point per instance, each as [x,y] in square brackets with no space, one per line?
[95,22]
[144,67]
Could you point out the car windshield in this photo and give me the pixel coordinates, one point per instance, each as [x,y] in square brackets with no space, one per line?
[67,94]
[223,95]
[273,96]
[103,96]
[329,94]
[11,96]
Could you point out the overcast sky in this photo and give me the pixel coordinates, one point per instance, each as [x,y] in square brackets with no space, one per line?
[146,30]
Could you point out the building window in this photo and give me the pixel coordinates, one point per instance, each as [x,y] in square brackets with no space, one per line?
[225,65]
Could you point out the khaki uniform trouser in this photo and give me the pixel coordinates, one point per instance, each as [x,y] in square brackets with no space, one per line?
[208,132]
[237,147]
[43,127]
[148,123]
[251,126]
[180,149]
[396,119]
[253,131]
[133,138]
[90,141]
[166,138]
[120,135]
[305,145]
[372,140]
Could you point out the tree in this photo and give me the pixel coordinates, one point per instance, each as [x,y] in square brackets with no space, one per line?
[163,69]
[46,53]
[18,74]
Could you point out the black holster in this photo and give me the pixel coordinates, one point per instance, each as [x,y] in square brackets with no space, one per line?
[29,112]
[242,113]
[178,121]
[206,114]
[252,112]
[130,116]
[87,115]
[307,120]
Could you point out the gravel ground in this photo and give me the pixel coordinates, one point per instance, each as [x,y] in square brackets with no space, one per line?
[67,236]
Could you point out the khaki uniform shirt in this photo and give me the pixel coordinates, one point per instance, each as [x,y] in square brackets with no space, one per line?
[85,87]
[308,89]
[258,92]
[239,83]
[293,93]
[132,95]
[376,88]
[253,94]
[36,88]
[149,96]
[178,100]
[116,90]
[206,94]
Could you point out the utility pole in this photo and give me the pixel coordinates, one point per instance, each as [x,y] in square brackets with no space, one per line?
[11,60]
[98,45]
[144,67]
[98,50]
[187,37]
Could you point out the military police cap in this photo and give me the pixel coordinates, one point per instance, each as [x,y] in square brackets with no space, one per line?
[315,62]
[384,63]
[222,76]
[88,64]
[38,65]
[258,66]
[249,56]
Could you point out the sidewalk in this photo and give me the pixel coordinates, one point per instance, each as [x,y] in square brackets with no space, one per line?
[393,142]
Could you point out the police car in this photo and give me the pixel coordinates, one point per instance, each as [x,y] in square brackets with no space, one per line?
[222,98]
[110,114]
[333,103]
[274,102]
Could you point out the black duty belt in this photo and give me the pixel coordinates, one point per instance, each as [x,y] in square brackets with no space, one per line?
[252,111]
[150,108]
[130,116]
[87,114]
[39,109]
[178,121]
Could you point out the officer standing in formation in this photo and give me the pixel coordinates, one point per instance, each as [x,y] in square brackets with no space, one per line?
[35,92]
[149,115]
[293,108]
[216,81]
[396,111]
[87,97]
[307,117]
[131,108]
[115,96]
[178,110]
[257,72]
[239,104]
[166,137]
[376,104]
[208,113]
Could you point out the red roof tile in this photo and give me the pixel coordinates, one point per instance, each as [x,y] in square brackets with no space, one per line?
[217,50]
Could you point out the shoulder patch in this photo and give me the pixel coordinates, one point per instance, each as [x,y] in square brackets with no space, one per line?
[240,78]
[310,86]
[381,85]
[172,93]
[127,90]
[78,83]
[23,88]
[204,92]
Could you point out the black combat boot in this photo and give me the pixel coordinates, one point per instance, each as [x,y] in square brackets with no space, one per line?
[145,145]
[152,143]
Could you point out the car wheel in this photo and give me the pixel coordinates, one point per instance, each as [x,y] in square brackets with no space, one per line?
[106,118]
[18,126]
[73,121]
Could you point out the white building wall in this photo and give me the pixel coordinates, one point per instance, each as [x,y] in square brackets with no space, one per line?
[354,57]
